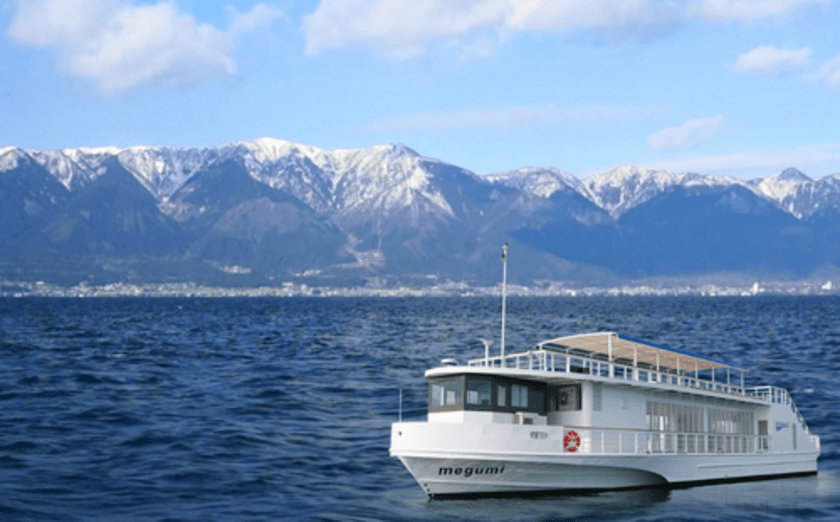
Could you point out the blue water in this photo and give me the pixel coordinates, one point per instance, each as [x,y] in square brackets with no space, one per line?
[279,409]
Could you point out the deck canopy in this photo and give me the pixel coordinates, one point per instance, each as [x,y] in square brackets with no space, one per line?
[627,350]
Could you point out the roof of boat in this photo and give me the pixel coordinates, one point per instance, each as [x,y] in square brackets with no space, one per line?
[617,346]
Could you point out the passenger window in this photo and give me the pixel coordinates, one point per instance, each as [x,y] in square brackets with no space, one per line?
[519,396]
[501,396]
[447,393]
[478,392]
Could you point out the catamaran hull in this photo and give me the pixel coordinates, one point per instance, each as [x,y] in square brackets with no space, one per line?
[447,476]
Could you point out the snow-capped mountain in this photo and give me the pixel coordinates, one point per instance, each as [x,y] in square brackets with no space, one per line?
[352,182]
[627,187]
[386,178]
[543,182]
[164,170]
[10,157]
[348,182]
[624,188]
[798,194]
[74,167]
[161,170]
[274,207]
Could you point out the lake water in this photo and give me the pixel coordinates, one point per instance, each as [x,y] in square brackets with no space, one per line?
[280,409]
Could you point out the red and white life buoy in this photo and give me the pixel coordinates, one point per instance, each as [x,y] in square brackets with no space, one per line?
[571,442]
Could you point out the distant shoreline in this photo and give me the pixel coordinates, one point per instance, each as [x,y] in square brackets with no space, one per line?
[17,289]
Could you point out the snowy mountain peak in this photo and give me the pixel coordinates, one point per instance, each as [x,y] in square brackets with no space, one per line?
[90,151]
[164,170]
[627,186]
[10,158]
[266,150]
[798,194]
[393,177]
[539,181]
[783,186]
[396,150]
[378,179]
[73,166]
[792,175]
[632,173]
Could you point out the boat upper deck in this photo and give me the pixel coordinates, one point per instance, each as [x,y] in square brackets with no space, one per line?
[614,357]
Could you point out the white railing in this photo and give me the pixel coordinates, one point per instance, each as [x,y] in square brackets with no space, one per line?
[777,396]
[550,360]
[619,441]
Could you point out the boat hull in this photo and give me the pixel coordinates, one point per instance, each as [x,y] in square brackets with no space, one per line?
[444,477]
[469,466]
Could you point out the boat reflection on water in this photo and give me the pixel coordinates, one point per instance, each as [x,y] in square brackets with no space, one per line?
[637,502]
[815,495]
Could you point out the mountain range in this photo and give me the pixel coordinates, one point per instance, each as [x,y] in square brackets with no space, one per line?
[269,211]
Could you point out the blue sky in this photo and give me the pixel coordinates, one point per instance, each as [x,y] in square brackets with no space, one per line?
[738,87]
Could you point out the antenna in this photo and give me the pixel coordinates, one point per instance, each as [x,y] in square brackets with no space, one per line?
[504,296]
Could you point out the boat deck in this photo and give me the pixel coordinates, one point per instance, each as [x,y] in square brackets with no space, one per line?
[614,357]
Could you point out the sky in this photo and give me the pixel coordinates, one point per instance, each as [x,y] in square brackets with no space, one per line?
[738,87]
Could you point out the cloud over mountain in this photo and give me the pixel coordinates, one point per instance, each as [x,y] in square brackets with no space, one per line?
[769,60]
[690,134]
[405,28]
[828,73]
[120,46]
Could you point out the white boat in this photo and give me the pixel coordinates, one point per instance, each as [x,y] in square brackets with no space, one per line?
[594,412]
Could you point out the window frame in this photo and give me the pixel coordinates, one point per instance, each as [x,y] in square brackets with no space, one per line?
[537,394]
[459,405]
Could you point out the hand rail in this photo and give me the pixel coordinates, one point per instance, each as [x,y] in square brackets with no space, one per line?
[556,361]
[589,440]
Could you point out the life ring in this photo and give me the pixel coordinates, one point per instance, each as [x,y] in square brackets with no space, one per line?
[571,442]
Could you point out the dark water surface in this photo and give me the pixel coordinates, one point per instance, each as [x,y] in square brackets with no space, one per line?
[280,409]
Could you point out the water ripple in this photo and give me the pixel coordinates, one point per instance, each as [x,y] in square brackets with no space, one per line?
[266,409]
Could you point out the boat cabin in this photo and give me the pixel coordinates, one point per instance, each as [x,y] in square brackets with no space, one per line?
[609,381]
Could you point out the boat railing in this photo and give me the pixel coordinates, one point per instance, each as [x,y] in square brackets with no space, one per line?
[625,441]
[777,396]
[560,361]
[568,362]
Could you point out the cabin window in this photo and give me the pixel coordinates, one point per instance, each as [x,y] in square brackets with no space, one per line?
[501,396]
[478,392]
[485,393]
[730,422]
[519,396]
[446,395]
[665,416]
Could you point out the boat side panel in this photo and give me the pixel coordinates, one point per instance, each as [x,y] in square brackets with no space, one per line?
[442,476]
[533,458]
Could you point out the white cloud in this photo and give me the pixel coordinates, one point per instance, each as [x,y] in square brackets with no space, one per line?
[769,60]
[121,46]
[828,73]
[745,10]
[570,14]
[399,28]
[510,117]
[405,28]
[689,135]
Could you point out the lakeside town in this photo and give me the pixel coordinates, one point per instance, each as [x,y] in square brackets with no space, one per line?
[380,288]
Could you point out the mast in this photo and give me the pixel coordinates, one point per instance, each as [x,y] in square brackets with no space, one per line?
[504,296]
